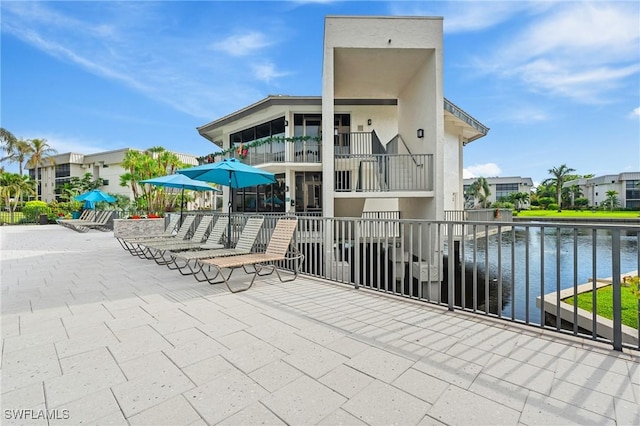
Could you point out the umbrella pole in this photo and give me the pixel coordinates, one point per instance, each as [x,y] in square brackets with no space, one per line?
[230,209]
[181,204]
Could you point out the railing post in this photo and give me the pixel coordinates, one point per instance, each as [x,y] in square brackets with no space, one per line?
[356,253]
[617,302]
[451,272]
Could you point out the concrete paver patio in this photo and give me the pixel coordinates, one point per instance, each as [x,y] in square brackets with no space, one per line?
[92,335]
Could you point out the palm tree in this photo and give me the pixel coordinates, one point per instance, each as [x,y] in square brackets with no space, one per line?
[559,176]
[7,140]
[19,153]
[41,152]
[480,190]
[612,199]
[519,198]
[12,186]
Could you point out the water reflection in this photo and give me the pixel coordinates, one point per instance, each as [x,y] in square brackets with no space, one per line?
[536,260]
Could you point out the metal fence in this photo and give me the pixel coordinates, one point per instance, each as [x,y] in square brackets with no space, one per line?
[522,272]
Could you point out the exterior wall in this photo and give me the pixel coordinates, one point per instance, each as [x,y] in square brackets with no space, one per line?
[105,165]
[595,189]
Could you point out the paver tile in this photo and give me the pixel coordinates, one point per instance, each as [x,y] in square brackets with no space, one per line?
[421,385]
[208,369]
[253,356]
[544,410]
[194,351]
[88,409]
[380,364]
[475,410]
[345,380]
[341,417]
[500,391]
[224,396]
[381,403]
[275,375]
[315,360]
[146,391]
[254,414]
[303,401]
[27,366]
[588,399]
[173,411]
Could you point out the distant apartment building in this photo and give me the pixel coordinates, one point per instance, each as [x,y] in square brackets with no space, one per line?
[105,165]
[595,189]
[501,188]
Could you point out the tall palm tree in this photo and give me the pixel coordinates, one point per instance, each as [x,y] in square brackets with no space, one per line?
[7,139]
[41,153]
[612,199]
[559,175]
[19,153]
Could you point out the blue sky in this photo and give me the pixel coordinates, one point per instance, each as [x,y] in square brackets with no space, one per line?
[557,82]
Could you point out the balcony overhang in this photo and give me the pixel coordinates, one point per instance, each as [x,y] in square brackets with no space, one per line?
[382,194]
[375,73]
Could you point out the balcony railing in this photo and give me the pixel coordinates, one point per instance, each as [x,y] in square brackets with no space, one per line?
[383,172]
[520,273]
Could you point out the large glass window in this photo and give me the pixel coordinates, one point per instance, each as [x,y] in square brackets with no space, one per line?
[633,193]
[263,153]
[503,190]
[262,198]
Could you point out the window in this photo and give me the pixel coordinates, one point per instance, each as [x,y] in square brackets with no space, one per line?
[504,190]
[63,170]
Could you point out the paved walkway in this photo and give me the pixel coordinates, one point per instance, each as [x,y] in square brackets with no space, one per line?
[93,335]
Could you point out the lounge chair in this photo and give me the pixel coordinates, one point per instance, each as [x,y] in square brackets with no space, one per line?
[168,232]
[100,223]
[136,246]
[276,251]
[212,241]
[155,250]
[243,246]
[83,216]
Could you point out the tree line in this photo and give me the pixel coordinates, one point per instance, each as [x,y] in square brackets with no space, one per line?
[549,194]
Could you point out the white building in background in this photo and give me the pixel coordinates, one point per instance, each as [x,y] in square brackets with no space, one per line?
[595,189]
[502,187]
[105,165]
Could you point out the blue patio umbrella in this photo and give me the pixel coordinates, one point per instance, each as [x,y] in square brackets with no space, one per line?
[182,182]
[232,173]
[95,196]
[92,197]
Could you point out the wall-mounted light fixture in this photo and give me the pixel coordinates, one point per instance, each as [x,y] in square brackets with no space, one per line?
[369,122]
[286,123]
[420,133]
[335,131]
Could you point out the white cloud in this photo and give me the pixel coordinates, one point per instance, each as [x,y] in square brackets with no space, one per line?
[477,170]
[243,44]
[266,72]
[635,113]
[583,51]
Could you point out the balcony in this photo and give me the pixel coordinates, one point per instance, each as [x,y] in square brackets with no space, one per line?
[362,164]
[299,151]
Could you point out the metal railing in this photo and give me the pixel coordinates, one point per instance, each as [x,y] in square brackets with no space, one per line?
[383,172]
[521,272]
[309,151]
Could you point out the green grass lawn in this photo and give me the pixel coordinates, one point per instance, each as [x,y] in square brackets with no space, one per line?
[605,303]
[582,214]
[5,217]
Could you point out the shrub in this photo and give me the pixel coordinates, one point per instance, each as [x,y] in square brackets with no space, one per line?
[33,209]
[552,206]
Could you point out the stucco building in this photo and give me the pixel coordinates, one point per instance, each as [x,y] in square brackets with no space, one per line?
[392,142]
[501,187]
[595,189]
[105,165]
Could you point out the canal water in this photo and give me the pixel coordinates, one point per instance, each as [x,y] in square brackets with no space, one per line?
[551,254]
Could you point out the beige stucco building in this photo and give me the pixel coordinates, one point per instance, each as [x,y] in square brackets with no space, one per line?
[105,165]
